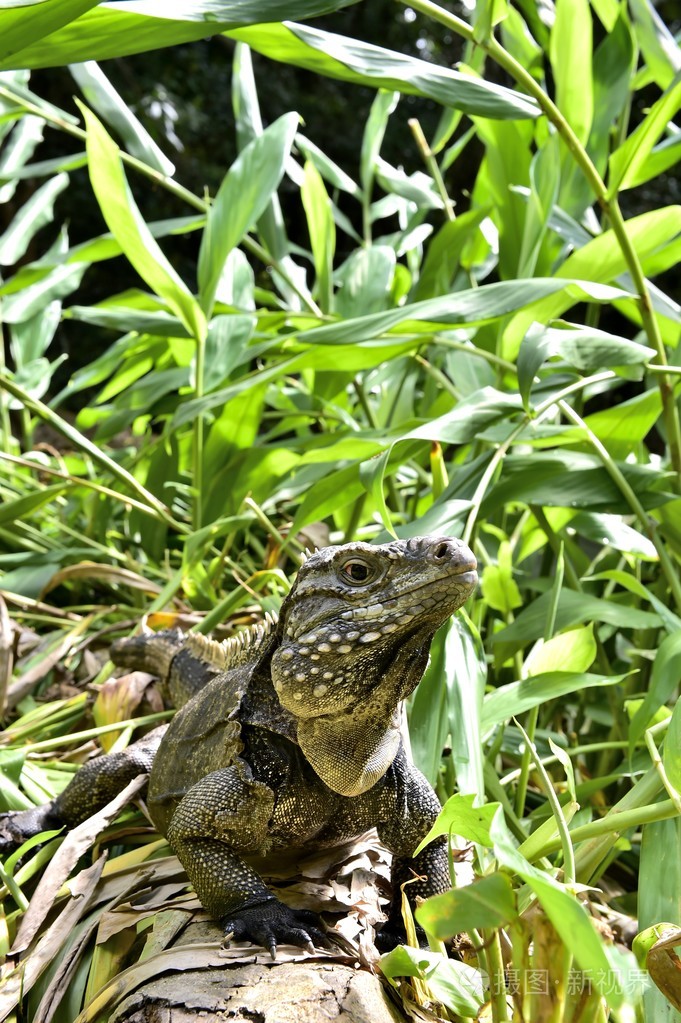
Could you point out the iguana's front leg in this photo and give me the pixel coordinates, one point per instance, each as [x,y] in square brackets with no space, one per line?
[226,813]
[93,786]
[414,810]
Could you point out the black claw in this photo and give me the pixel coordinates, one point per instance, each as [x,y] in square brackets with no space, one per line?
[271,923]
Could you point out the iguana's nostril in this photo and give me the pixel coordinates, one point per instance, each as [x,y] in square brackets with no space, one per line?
[442,551]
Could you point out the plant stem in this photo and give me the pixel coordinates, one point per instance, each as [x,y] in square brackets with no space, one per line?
[608,203]
[433,166]
[630,497]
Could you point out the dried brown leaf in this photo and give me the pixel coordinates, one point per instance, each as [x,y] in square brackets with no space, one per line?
[77,841]
[23,976]
[107,573]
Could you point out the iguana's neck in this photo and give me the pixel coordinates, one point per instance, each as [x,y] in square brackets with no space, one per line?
[346,707]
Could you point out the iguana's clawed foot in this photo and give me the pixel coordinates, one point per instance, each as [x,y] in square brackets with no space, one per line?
[271,923]
[391,935]
[16,826]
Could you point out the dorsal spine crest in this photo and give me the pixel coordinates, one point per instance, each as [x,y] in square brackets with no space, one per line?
[235,651]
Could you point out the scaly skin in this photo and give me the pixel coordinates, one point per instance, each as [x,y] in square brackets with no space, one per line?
[292,742]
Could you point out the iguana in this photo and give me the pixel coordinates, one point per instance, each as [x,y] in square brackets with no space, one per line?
[290,738]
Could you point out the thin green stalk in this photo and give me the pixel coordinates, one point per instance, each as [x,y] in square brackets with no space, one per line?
[564,836]
[433,166]
[90,733]
[632,500]
[530,752]
[658,763]
[81,481]
[479,353]
[198,435]
[83,444]
[609,203]
[497,987]
[395,498]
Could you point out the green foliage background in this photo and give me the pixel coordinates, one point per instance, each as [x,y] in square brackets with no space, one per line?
[361,358]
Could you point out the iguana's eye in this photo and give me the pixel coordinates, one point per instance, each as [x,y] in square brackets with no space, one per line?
[356,570]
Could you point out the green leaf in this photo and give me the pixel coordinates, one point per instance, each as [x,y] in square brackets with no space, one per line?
[570,51]
[627,163]
[664,680]
[22,26]
[659,47]
[51,284]
[21,507]
[499,588]
[672,748]
[365,281]
[544,185]
[570,479]
[381,108]
[488,902]
[322,232]
[36,213]
[329,170]
[473,306]
[364,64]
[585,348]
[100,94]
[614,62]
[515,698]
[112,32]
[574,650]
[128,227]
[444,253]
[567,915]
[450,982]
[459,817]
[602,260]
[243,196]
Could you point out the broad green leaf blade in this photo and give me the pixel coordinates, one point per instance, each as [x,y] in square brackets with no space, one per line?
[364,64]
[488,902]
[574,650]
[659,894]
[36,213]
[471,307]
[364,282]
[459,817]
[128,227]
[100,94]
[465,673]
[570,51]
[329,170]
[453,984]
[15,510]
[133,26]
[243,196]
[322,232]
[585,348]
[374,131]
[22,26]
[628,162]
[660,50]
[515,698]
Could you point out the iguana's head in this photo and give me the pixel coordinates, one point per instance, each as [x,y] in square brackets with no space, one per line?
[354,636]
